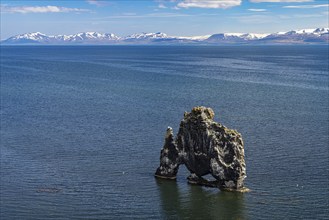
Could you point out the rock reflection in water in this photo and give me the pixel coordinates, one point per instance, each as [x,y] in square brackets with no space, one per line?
[199,202]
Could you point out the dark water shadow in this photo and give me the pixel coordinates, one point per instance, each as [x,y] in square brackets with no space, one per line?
[195,202]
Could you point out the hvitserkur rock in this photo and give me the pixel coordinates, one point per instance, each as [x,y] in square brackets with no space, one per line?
[205,147]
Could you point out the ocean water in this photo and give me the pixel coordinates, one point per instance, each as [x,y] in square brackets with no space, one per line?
[82,128]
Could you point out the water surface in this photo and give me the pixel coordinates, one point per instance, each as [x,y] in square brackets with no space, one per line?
[82,129]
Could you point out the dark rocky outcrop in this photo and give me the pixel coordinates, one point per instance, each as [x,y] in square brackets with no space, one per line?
[205,147]
[169,158]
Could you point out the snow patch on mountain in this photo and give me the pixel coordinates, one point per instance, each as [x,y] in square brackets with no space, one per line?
[196,38]
[157,35]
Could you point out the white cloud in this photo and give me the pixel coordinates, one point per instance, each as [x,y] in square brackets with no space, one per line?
[257,9]
[307,6]
[209,3]
[96,2]
[40,9]
[162,6]
[258,1]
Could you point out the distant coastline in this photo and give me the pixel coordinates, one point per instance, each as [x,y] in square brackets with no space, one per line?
[294,37]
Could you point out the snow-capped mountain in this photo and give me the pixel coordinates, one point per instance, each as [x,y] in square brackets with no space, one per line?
[317,31]
[157,35]
[235,37]
[28,38]
[194,38]
[317,35]
[146,38]
[304,36]
[87,37]
[84,37]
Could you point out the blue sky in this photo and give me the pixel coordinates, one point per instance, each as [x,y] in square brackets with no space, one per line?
[174,17]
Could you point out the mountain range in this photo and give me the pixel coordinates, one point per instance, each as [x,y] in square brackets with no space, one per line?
[304,36]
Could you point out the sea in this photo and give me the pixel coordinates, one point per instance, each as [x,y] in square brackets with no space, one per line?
[82,128]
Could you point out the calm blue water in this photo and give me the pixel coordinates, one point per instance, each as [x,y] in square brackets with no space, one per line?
[82,129]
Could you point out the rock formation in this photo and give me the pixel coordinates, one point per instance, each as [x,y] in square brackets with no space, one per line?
[205,147]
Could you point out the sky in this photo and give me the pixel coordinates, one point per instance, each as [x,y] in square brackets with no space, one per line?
[173,17]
